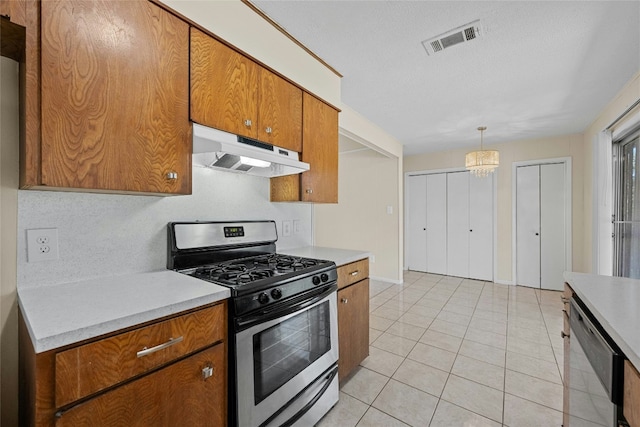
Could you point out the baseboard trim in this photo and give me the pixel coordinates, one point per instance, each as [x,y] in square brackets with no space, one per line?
[504,282]
[384,279]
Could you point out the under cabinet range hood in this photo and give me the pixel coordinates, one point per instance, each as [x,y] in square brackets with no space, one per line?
[213,148]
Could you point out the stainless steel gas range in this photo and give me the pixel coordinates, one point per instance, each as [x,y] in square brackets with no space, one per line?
[283,320]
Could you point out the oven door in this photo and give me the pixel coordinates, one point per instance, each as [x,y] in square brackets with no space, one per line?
[286,363]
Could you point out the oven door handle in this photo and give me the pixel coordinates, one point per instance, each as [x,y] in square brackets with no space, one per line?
[287,307]
[328,378]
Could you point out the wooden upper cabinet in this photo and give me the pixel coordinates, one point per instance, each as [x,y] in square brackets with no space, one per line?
[15,10]
[320,149]
[232,93]
[224,86]
[114,99]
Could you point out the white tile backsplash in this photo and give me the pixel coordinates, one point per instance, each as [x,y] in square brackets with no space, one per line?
[107,234]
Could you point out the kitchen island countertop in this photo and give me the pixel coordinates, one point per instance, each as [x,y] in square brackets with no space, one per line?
[339,256]
[615,303]
[59,315]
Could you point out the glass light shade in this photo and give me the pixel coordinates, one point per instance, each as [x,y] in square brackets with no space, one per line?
[483,162]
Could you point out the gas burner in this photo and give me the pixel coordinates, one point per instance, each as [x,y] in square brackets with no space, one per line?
[252,276]
[286,263]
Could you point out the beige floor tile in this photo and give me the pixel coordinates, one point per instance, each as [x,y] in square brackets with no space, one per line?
[489,326]
[406,403]
[489,315]
[450,415]
[347,412]
[376,287]
[534,389]
[534,367]
[381,361]
[463,301]
[432,356]
[406,330]
[378,300]
[379,323]
[422,377]
[441,340]
[439,296]
[523,413]
[376,418]
[458,319]
[396,304]
[388,313]
[459,309]
[394,344]
[416,320]
[539,336]
[422,310]
[425,301]
[373,334]
[530,348]
[364,385]
[480,372]
[475,397]
[487,338]
[483,352]
[496,307]
[448,328]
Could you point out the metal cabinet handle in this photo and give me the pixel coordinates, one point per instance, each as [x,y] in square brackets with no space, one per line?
[207,372]
[309,191]
[268,130]
[247,123]
[344,300]
[172,175]
[563,335]
[147,351]
[354,273]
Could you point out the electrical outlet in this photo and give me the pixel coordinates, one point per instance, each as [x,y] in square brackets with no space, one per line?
[297,227]
[42,244]
[286,228]
[372,258]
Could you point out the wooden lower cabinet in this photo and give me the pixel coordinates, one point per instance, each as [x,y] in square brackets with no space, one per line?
[353,326]
[631,399]
[176,395]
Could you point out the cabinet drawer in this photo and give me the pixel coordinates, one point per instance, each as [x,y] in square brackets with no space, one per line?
[631,399]
[352,273]
[89,368]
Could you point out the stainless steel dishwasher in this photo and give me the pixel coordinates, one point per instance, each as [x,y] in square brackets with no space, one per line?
[596,372]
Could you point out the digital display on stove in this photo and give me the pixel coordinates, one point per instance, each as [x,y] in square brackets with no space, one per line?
[234,231]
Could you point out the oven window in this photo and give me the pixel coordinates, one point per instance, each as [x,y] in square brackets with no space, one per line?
[286,349]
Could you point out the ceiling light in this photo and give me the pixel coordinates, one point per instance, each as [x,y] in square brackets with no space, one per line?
[482,163]
[254,162]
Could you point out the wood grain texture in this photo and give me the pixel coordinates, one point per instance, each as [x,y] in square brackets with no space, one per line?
[285,188]
[353,327]
[320,150]
[177,395]
[280,109]
[115,90]
[12,40]
[16,10]
[87,369]
[631,398]
[224,86]
[353,272]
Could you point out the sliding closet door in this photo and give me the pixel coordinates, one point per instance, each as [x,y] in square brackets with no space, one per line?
[458,224]
[416,196]
[528,226]
[481,227]
[436,223]
[552,226]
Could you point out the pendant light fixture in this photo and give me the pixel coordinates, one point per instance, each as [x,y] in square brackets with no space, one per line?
[482,163]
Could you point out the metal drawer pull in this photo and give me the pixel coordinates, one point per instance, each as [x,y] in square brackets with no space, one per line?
[309,191]
[147,351]
[207,372]
[247,123]
[354,273]
[344,300]
[172,175]
[268,130]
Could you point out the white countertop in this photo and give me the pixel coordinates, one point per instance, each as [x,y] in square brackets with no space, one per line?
[64,314]
[615,303]
[339,256]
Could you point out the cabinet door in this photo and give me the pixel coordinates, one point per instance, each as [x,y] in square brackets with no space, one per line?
[178,395]
[115,93]
[279,112]
[417,223]
[353,327]
[458,224]
[481,227]
[224,87]
[320,150]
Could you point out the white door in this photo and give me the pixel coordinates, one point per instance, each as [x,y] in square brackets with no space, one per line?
[552,226]
[528,226]
[481,227]
[458,224]
[416,196]
[436,223]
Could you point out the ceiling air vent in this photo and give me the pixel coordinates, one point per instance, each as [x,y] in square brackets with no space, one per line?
[453,37]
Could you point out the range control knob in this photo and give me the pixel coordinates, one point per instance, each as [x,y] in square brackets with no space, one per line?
[324,277]
[316,280]
[263,298]
[276,293]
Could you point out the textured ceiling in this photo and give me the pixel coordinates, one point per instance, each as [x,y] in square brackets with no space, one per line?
[541,68]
